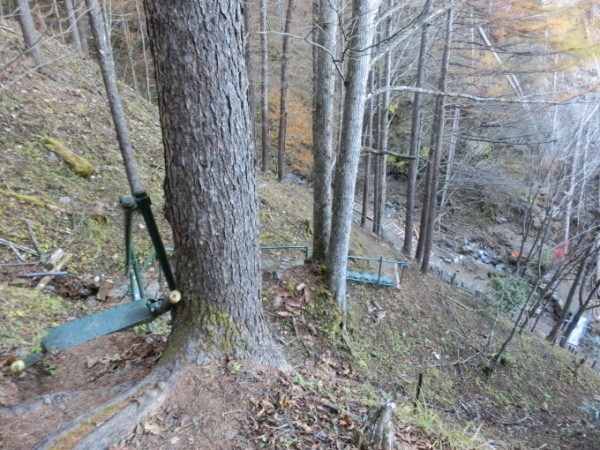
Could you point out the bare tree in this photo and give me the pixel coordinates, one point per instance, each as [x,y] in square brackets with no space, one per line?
[362,31]
[29,32]
[72,20]
[429,208]
[323,128]
[264,87]
[283,112]
[415,138]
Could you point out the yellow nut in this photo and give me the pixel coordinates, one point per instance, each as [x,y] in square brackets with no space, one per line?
[17,366]
[174,297]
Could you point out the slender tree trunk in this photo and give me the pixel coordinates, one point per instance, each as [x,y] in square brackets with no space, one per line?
[365,189]
[415,140]
[107,67]
[247,13]
[363,16]
[367,139]
[384,130]
[573,180]
[450,157]
[264,87]
[436,149]
[81,26]
[575,285]
[143,35]
[29,33]
[375,144]
[323,129]
[72,21]
[127,38]
[283,93]
[210,186]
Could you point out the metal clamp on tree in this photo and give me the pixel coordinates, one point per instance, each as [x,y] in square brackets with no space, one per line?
[139,311]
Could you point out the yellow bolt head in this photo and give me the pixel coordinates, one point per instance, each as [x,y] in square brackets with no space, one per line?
[174,297]
[17,366]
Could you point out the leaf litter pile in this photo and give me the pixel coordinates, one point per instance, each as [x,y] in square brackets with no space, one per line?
[237,406]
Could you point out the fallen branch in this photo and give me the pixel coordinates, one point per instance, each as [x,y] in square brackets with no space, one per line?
[31,200]
[17,246]
[387,152]
[38,402]
[34,240]
[58,259]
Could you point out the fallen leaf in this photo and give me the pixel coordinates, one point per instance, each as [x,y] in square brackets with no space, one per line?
[152,427]
[300,287]
[293,304]
[285,314]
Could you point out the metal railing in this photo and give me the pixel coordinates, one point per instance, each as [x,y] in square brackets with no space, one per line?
[402,264]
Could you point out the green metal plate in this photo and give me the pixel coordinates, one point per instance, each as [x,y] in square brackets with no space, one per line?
[96,325]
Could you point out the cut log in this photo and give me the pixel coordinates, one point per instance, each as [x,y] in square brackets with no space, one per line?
[378,432]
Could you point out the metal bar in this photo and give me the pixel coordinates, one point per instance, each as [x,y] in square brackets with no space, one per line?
[128,205]
[143,202]
[366,258]
[139,284]
[42,274]
[379,273]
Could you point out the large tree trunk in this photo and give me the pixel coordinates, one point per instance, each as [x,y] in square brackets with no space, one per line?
[323,129]
[415,138]
[283,93]
[210,186]
[29,32]
[363,16]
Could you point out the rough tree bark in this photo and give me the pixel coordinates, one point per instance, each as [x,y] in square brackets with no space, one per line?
[363,16]
[323,128]
[210,186]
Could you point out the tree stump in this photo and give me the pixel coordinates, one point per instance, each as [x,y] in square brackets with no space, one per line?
[377,433]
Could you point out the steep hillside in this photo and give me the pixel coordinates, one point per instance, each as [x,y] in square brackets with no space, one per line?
[421,336]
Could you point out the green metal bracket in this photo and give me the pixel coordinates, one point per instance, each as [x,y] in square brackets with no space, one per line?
[136,312]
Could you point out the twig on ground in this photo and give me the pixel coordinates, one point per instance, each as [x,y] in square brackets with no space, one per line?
[23,248]
[34,240]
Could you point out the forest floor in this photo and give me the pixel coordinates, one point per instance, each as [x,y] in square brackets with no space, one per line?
[539,397]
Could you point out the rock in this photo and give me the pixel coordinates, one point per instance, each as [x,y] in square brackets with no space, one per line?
[152,291]
[294,178]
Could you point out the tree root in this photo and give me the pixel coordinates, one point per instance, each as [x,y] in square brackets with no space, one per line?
[38,402]
[113,420]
